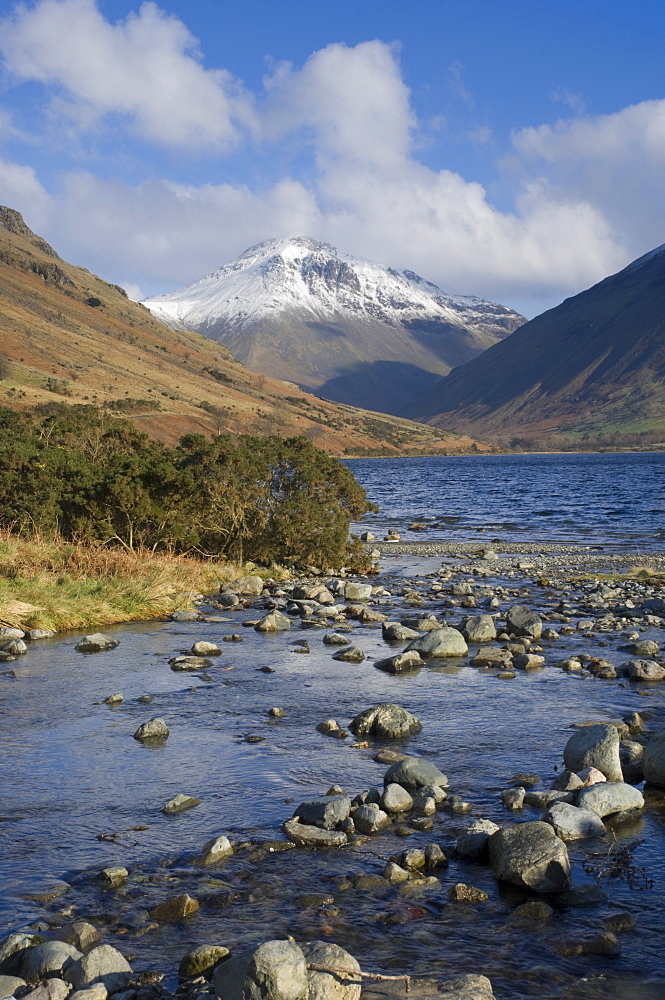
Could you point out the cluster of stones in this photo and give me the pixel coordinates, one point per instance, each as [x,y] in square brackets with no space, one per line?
[14,641]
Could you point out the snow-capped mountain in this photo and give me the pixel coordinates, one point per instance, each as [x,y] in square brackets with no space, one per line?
[340,326]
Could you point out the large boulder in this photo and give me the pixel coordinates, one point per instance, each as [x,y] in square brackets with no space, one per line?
[531,856]
[646,671]
[48,959]
[334,985]
[572,823]
[396,632]
[370,818]
[325,812]
[607,798]
[521,620]
[440,642]
[386,721]
[595,746]
[414,773]
[653,760]
[103,964]
[354,591]
[274,621]
[276,970]
[480,628]
[13,950]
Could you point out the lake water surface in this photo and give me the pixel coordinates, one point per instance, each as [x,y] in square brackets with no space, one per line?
[75,785]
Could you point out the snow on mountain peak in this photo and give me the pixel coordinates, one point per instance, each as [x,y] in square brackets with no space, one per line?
[298,273]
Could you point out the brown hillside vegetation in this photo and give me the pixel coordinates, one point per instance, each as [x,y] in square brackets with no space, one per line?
[68,336]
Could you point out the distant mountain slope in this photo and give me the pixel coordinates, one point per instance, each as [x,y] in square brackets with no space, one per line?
[342,327]
[593,366]
[67,336]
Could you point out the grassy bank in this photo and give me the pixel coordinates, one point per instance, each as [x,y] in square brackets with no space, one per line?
[49,583]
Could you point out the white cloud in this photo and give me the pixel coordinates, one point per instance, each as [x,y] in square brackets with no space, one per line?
[146,67]
[588,192]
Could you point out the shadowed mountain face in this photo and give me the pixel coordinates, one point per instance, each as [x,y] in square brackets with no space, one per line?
[593,366]
[340,326]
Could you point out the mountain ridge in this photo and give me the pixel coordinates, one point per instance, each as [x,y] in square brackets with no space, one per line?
[592,366]
[69,337]
[338,325]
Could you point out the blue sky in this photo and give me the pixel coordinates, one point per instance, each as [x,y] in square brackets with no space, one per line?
[513,149]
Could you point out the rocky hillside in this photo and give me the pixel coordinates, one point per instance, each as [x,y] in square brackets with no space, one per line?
[591,369]
[340,326]
[67,336]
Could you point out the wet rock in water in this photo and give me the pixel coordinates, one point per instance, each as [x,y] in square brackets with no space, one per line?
[647,648]
[175,909]
[653,760]
[276,712]
[572,823]
[413,858]
[189,663]
[103,964]
[154,729]
[357,591]
[180,803]
[415,772]
[513,798]
[469,987]
[396,799]
[16,647]
[401,663]
[203,648]
[276,970]
[492,656]
[386,721]
[114,699]
[13,950]
[36,634]
[541,800]
[529,661]
[620,922]
[395,874]
[344,984]
[594,746]
[567,781]
[227,600]
[185,615]
[521,620]
[51,989]
[388,756]
[352,654]
[48,959]
[112,877]
[472,843]
[274,621]
[330,727]
[313,836]
[533,909]
[645,671]
[630,754]
[635,723]
[248,586]
[395,632]
[435,857]
[439,643]
[583,895]
[462,893]
[201,961]
[426,623]
[607,798]
[80,933]
[325,812]
[8,984]
[606,944]
[96,643]
[530,855]
[480,628]
[7,633]
[215,850]
[370,818]
[335,639]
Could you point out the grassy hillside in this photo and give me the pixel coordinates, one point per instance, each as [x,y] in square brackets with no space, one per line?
[66,335]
